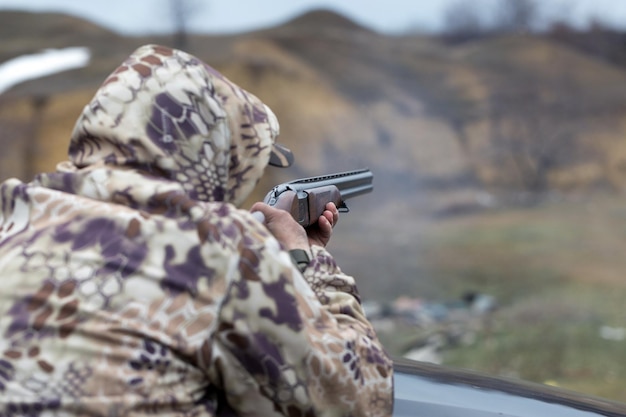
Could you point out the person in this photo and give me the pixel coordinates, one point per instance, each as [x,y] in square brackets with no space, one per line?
[133,283]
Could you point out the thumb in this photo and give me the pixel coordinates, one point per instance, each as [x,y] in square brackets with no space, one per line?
[258,211]
[259,216]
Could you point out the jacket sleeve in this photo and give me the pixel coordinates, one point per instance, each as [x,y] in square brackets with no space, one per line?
[292,344]
[365,369]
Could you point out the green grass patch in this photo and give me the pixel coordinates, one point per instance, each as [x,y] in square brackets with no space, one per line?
[554,337]
[556,270]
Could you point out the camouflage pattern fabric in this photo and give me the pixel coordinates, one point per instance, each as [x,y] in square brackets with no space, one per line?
[132,284]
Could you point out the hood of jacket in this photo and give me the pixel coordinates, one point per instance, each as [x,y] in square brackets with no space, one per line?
[167,114]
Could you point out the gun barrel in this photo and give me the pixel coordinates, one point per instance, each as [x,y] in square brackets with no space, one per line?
[350,183]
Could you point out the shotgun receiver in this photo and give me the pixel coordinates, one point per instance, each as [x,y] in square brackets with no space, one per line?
[305,199]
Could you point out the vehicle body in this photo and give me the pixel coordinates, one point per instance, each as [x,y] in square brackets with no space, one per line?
[424,389]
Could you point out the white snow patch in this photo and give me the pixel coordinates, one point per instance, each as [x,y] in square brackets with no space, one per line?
[46,62]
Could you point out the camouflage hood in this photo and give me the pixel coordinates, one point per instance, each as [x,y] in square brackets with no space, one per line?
[167,114]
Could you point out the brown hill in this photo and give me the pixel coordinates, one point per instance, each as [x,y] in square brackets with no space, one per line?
[517,111]
[26,25]
[24,32]
[320,20]
[521,111]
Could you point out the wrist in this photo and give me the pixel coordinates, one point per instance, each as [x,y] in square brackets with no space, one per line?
[300,258]
[295,243]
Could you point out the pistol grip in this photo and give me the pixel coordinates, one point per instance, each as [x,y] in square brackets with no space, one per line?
[320,196]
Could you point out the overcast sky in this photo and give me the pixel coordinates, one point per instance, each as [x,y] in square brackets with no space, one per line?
[228,16]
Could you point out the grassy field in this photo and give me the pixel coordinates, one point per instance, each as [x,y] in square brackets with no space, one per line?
[554,338]
[557,271]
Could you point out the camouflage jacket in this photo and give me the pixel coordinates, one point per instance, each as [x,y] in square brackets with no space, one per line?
[132,284]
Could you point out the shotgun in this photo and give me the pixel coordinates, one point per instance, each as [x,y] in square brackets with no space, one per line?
[306,198]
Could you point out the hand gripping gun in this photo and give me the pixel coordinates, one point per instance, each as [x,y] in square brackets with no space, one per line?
[306,198]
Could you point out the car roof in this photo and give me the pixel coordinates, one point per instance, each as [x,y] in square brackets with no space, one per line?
[435,390]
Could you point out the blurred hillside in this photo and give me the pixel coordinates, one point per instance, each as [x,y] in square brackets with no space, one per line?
[515,111]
